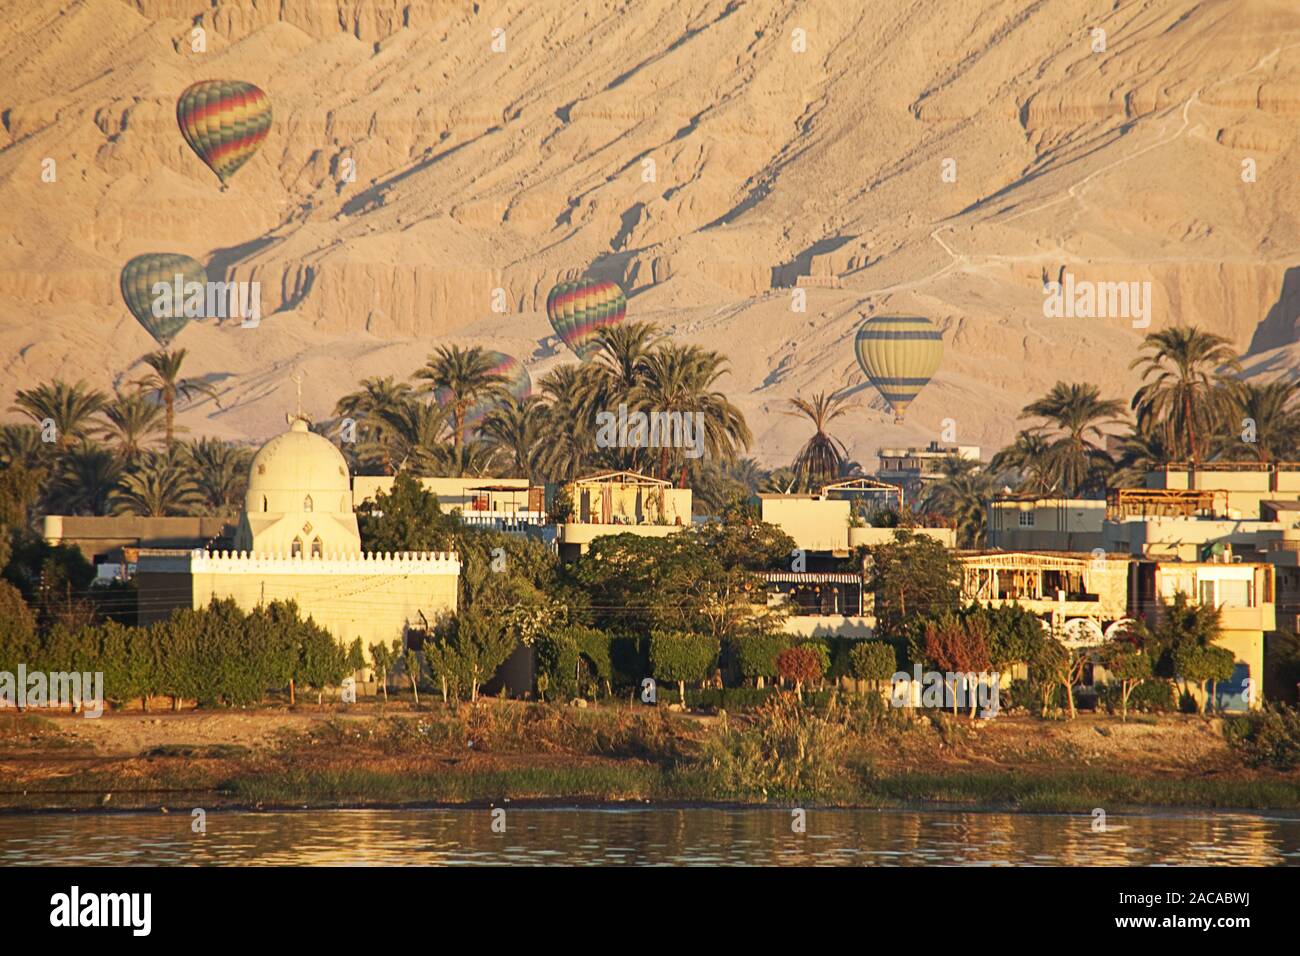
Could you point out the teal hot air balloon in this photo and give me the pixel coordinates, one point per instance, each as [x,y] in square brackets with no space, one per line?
[154,287]
[899,354]
[579,309]
[517,382]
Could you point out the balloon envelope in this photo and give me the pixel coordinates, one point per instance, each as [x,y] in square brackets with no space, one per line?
[899,354]
[160,310]
[517,382]
[224,121]
[579,309]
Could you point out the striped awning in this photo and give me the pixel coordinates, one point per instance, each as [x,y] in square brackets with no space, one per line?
[811,577]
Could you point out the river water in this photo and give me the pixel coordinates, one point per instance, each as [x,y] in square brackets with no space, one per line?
[645,837]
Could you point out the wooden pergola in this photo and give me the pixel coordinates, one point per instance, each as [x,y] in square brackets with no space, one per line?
[1124,503]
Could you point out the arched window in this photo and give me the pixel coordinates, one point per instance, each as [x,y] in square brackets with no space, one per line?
[317,549]
[306,503]
[295,550]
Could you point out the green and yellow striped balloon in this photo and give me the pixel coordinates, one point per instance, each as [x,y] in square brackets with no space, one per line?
[224,121]
[579,309]
[899,354]
[161,311]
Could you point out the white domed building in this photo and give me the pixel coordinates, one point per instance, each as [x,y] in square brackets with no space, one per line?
[297,539]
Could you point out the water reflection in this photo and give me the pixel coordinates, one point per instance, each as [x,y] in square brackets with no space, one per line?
[647,837]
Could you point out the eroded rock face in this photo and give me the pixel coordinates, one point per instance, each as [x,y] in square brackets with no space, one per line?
[933,156]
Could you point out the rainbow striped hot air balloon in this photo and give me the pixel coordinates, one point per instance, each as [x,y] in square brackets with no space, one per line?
[899,354]
[154,287]
[579,309]
[517,382]
[224,121]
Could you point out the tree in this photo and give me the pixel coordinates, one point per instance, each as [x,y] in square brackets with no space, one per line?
[820,459]
[756,655]
[799,665]
[1129,664]
[161,485]
[166,382]
[87,477]
[1264,426]
[1203,664]
[1186,389]
[1076,415]
[682,656]
[465,377]
[375,406]
[873,661]
[219,470]
[405,518]
[570,401]
[914,577]
[962,493]
[681,378]
[1029,457]
[515,428]
[71,409]
[131,422]
[958,647]
[384,657]
[413,673]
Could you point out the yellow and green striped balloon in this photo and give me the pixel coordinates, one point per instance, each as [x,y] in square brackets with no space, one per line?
[224,121]
[160,310]
[580,308]
[899,354]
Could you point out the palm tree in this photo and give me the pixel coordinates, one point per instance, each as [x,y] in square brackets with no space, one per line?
[568,421]
[373,406]
[1077,413]
[466,378]
[160,486]
[71,409]
[1029,456]
[1141,451]
[962,492]
[618,370]
[414,438]
[821,458]
[87,475]
[132,421]
[21,447]
[681,378]
[515,428]
[1186,388]
[1269,425]
[166,383]
[220,473]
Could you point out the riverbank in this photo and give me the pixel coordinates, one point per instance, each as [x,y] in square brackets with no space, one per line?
[394,755]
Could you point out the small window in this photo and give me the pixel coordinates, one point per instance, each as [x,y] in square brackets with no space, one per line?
[1026,519]
[264,508]
[317,549]
[295,550]
[1207,594]
[307,503]
[261,469]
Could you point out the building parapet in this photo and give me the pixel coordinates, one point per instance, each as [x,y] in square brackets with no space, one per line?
[243,562]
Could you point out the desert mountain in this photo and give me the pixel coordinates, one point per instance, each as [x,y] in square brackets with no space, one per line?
[722,159]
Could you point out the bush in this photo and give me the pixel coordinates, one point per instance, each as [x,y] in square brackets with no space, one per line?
[800,665]
[1266,738]
[681,656]
[872,661]
[560,652]
[756,654]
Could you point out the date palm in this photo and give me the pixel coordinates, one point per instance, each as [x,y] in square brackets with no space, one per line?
[822,456]
[1075,418]
[1141,451]
[69,408]
[515,429]
[220,473]
[21,447]
[87,475]
[962,492]
[170,388]
[131,422]
[414,441]
[161,485]
[1264,426]
[1186,385]
[466,378]
[373,406]
[682,378]
[568,421]
[1029,456]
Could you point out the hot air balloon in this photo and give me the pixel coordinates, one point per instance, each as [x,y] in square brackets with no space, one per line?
[155,287]
[518,383]
[224,121]
[899,353]
[579,309]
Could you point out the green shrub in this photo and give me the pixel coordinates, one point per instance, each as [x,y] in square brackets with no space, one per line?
[561,654]
[681,656]
[756,654]
[1266,738]
[872,661]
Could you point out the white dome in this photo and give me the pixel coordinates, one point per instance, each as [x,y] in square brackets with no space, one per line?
[296,465]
